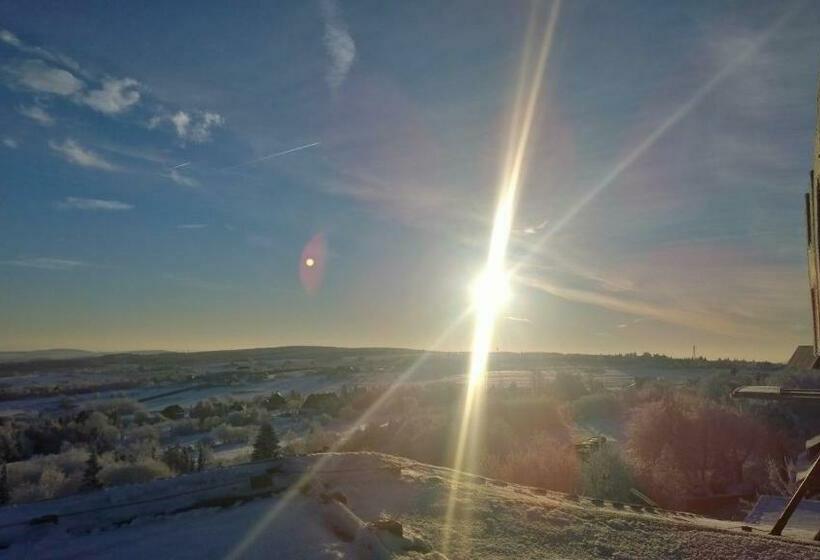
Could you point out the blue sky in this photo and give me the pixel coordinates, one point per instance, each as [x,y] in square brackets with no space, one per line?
[166,164]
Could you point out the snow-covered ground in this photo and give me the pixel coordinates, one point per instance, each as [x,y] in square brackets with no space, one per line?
[803,524]
[505,520]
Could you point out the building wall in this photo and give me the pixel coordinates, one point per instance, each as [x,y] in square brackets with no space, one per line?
[813,232]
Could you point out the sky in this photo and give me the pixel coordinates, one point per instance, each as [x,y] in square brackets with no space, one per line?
[168,169]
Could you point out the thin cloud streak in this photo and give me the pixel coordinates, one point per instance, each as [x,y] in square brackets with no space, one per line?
[181,179]
[701,320]
[45,263]
[76,154]
[95,204]
[37,114]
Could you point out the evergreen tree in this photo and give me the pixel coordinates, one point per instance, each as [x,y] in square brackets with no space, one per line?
[91,476]
[266,445]
[204,455]
[4,485]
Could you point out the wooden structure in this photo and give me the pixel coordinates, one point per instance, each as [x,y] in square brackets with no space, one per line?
[812,203]
[809,479]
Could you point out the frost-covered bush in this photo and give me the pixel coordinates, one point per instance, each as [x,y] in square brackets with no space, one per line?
[541,461]
[210,423]
[185,427]
[682,446]
[51,483]
[118,407]
[248,417]
[606,475]
[234,434]
[144,470]
[319,440]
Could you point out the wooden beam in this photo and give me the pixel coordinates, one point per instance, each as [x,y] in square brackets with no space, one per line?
[796,499]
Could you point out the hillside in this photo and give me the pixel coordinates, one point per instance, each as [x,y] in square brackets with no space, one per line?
[215,514]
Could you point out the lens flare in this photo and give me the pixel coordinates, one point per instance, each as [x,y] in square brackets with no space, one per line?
[492,284]
[312,264]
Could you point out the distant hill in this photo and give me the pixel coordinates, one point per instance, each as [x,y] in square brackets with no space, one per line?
[32,362]
[51,354]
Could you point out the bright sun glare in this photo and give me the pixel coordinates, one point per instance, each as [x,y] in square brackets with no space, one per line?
[491,288]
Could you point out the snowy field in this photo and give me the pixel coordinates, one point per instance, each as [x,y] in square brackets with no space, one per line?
[505,521]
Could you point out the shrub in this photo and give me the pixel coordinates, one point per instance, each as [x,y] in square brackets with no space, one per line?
[50,484]
[118,407]
[532,415]
[180,458]
[211,422]
[173,412]
[143,470]
[606,475]
[234,434]
[598,406]
[542,461]
[319,440]
[247,417]
[185,427]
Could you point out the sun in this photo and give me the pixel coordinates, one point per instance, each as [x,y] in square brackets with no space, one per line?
[491,289]
[309,262]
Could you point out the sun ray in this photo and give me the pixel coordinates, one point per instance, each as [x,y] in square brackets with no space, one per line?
[493,278]
[292,492]
[658,132]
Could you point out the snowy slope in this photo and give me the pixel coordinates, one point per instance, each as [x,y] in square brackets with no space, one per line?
[507,521]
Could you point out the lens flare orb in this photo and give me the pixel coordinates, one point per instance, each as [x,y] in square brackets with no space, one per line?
[312,264]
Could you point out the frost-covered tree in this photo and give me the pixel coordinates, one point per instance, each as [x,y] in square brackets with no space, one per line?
[180,458]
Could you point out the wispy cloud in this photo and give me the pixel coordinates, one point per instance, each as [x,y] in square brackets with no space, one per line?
[37,114]
[712,322]
[95,204]
[54,73]
[76,154]
[193,126]
[192,226]
[44,263]
[531,230]
[10,143]
[13,40]
[339,44]
[38,76]
[518,319]
[181,179]
[114,96]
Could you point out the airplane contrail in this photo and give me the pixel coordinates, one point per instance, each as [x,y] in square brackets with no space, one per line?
[181,165]
[272,156]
